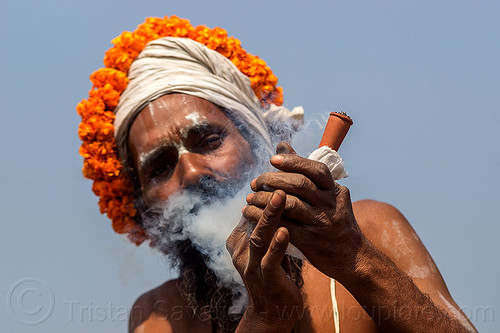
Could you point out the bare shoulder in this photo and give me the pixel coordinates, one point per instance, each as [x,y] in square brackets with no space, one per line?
[370,214]
[388,229]
[151,309]
[163,309]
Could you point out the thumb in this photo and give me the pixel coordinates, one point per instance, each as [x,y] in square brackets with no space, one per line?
[284,148]
[271,262]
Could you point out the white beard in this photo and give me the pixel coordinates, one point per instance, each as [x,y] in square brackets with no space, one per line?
[186,216]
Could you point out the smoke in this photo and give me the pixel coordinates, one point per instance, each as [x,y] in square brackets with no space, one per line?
[205,215]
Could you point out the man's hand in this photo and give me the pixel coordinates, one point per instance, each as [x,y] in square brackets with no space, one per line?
[319,216]
[274,301]
[318,212]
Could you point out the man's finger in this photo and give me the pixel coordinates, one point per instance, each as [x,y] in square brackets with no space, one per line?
[294,207]
[252,214]
[291,183]
[234,239]
[271,263]
[263,233]
[237,245]
[316,171]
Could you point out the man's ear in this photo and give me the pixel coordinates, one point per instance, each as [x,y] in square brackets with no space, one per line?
[284,148]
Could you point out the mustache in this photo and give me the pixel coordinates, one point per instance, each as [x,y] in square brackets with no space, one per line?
[210,188]
[186,204]
[207,191]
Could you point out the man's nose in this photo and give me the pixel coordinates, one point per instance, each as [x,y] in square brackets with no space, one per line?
[192,168]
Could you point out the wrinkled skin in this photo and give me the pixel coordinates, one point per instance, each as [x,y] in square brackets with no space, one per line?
[317,211]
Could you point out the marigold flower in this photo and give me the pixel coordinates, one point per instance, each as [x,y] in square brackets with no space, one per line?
[101,162]
[117,79]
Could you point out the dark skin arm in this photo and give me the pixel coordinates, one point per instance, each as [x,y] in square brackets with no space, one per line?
[318,215]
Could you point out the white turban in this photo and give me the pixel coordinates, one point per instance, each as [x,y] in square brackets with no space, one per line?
[181,65]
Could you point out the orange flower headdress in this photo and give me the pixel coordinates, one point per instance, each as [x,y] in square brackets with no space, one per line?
[101,162]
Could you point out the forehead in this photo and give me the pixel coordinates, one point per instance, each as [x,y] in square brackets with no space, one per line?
[170,117]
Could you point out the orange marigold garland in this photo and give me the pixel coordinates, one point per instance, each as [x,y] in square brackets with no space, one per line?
[101,162]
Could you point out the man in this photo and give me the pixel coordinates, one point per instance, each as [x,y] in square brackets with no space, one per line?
[191,133]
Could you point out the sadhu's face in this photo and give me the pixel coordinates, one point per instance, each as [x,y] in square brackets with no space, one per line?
[177,140]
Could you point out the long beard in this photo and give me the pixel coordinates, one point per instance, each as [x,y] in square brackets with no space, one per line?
[201,288]
[205,295]
[202,217]
[191,229]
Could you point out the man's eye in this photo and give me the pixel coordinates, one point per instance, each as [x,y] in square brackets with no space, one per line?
[212,141]
[159,170]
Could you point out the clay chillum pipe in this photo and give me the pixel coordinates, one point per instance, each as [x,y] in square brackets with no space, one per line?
[336,129]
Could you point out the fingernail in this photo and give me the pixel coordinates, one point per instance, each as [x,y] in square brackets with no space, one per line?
[275,200]
[280,236]
[249,197]
[277,159]
[253,184]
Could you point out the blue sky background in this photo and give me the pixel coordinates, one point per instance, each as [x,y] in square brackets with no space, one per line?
[420,79]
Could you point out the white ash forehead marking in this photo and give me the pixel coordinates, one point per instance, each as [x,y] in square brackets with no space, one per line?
[195,117]
[183,99]
[152,112]
[181,149]
[155,105]
[459,315]
[196,121]
[145,155]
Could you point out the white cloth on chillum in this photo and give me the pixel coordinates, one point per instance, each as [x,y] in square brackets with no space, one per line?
[181,65]
[334,163]
[332,160]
